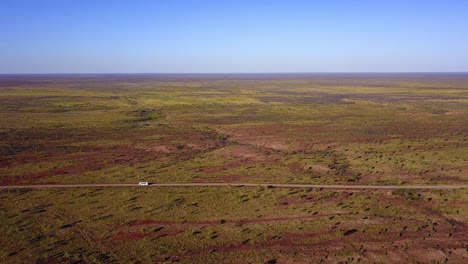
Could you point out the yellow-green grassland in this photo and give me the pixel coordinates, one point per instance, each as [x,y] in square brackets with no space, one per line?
[340,129]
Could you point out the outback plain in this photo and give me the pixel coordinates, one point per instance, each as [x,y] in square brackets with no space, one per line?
[327,129]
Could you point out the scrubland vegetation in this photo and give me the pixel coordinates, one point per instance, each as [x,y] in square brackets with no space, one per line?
[317,129]
[232,224]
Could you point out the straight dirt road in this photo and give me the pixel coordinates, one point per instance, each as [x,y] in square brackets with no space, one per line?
[219,184]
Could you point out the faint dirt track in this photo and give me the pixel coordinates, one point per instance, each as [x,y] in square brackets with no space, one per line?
[220,184]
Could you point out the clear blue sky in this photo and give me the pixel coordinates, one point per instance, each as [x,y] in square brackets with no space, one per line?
[97,36]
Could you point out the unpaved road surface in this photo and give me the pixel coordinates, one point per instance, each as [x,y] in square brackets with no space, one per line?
[218,184]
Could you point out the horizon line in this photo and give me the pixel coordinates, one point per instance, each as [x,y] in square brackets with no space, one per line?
[232,73]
